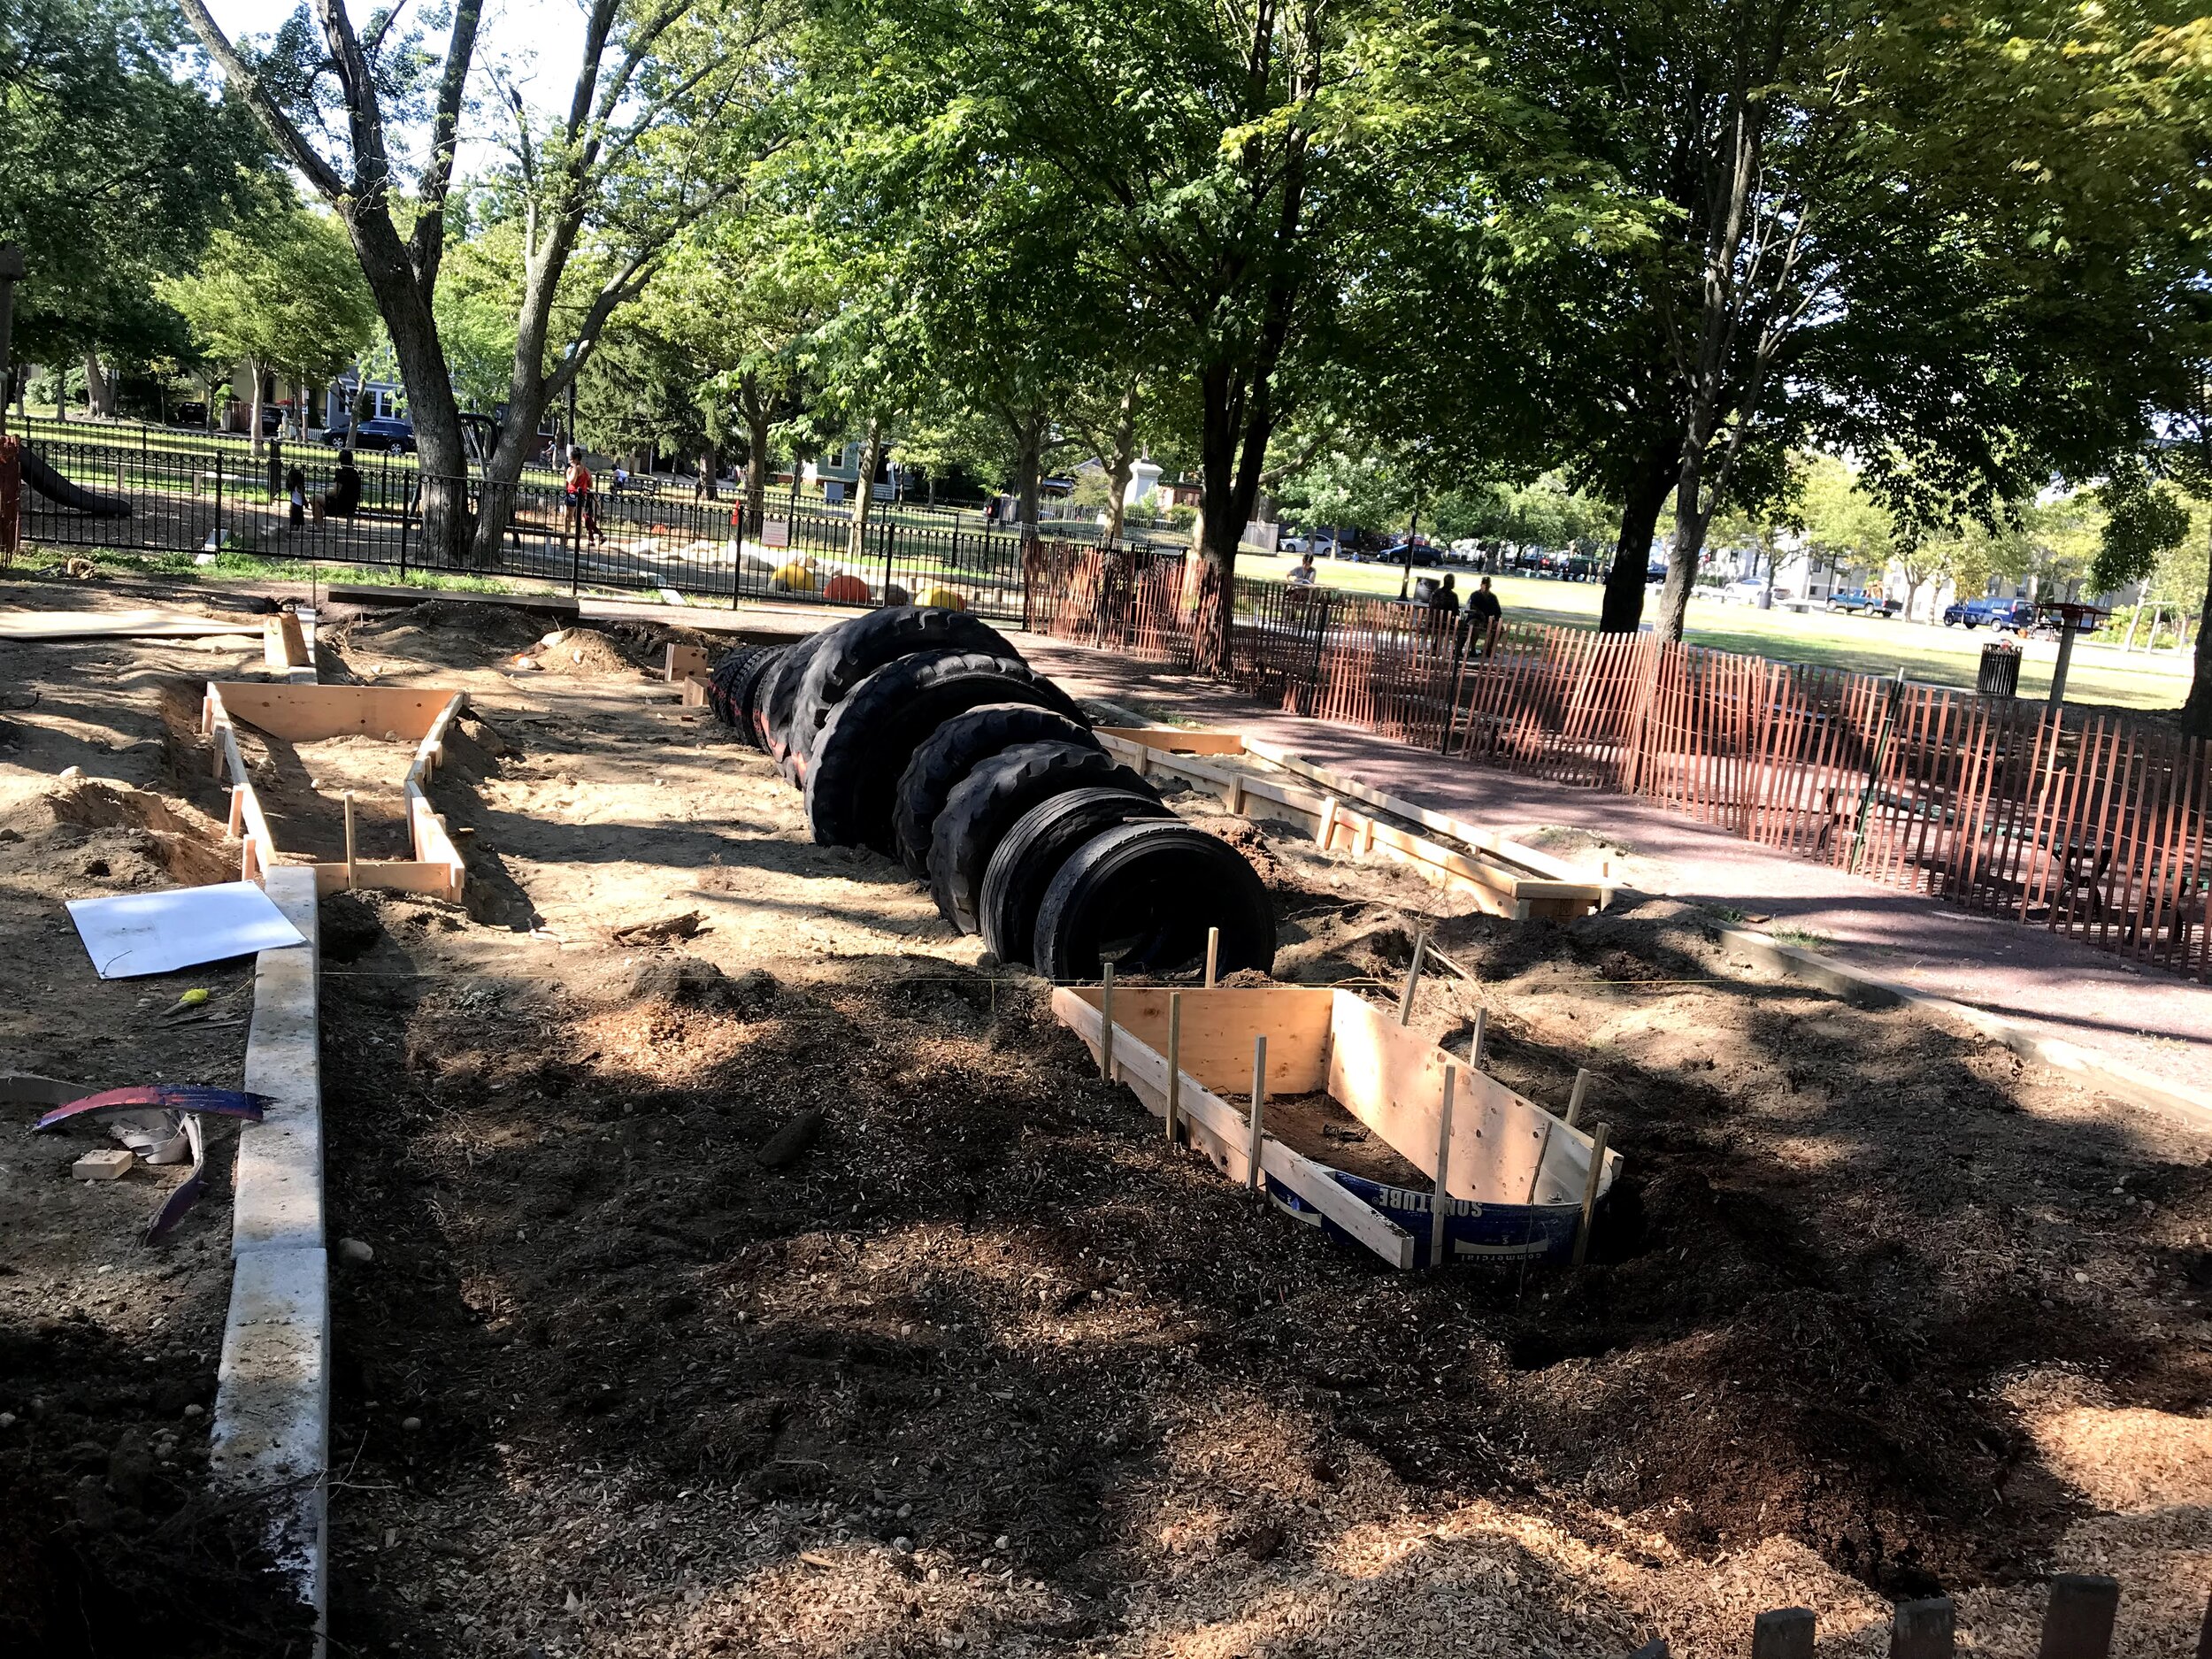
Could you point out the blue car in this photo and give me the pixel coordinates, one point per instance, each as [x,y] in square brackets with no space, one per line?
[1989,613]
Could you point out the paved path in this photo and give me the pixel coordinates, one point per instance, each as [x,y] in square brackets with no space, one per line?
[2150,1018]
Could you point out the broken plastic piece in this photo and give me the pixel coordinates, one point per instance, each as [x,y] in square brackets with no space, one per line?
[176,1097]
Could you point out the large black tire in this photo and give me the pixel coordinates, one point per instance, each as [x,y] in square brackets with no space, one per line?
[1030,853]
[853,779]
[727,674]
[991,799]
[1143,897]
[745,691]
[866,643]
[777,699]
[954,750]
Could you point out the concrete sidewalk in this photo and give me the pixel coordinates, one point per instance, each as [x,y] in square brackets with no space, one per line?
[2143,1016]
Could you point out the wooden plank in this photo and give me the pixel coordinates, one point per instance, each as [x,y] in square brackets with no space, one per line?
[391,874]
[302,714]
[679,661]
[1218,1027]
[1221,1133]
[1174,740]
[1392,1080]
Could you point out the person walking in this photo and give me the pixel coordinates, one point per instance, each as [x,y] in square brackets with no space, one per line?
[581,520]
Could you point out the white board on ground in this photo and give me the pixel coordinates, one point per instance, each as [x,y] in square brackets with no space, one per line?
[119,625]
[137,934]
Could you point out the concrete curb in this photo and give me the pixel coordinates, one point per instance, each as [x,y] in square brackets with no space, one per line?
[270,1437]
[2191,1107]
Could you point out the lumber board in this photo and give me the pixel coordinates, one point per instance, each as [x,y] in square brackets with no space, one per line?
[1221,1131]
[1218,1027]
[119,625]
[303,714]
[1392,1080]
[1537,862]
[398,875]
[1491,879]
[679,661]
[1175,741]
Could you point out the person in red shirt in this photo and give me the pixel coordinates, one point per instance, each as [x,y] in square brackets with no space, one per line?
[578,484]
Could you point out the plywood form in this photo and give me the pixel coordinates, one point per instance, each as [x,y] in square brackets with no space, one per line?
[1506,1154]
[1222,1133]
[306,714]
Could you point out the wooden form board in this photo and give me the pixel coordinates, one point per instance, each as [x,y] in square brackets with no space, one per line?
[1488,866]
[308,713]
[1218,1027]
[1392,1080]
[301,714]
[1222,1133]
[681,662]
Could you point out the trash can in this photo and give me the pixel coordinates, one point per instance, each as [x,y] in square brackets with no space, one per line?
[2000,675]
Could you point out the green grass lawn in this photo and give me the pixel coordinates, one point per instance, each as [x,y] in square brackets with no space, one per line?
[1927,652]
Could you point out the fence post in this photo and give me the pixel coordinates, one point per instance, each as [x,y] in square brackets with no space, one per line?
[406,519]
[1874,765]
[575,544]
[1922,1630]
[737,553]
[884,531]
[215,536]
[1785,1633]
[1460,631]
[2077,1619]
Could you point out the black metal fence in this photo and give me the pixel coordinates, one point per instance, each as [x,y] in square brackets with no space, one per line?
[186,502]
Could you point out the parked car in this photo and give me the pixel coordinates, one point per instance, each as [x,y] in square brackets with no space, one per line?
[2003,614]
[379,432]
[1747,592]
[1423,553]
[1858,602]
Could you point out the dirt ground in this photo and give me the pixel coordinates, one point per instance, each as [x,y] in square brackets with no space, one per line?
[796,1287]
[108,1345]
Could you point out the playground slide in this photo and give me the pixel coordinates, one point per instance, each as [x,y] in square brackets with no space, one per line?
[62,493]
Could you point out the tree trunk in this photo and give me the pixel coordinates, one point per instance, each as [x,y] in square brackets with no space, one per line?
[1125,463]
[99,396]
[711,471]
[755,412]
[865,490]
[253,410]
[2196,714]
[1029,466]
[1235,426]
[404,305]
[1622,609]
[61,393]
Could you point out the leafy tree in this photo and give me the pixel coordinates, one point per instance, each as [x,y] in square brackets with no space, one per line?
[2144,521]
[115,164]
[287,298]
[672,105]
[1191,145]
[1925,234]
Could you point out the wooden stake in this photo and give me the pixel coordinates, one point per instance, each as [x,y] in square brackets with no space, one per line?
[1174,1060]
[2077,1619]
[352,874]
[1589,1194]
[1328,822]
[1443,1170]
[1259,1110]
[1922,1630]
[2204,1636]
[1413,978]
[1786,1633]
[1236,796]
[1476,1044]
[1106,1026]
[1213,954]
[1574,1101]
[237,808]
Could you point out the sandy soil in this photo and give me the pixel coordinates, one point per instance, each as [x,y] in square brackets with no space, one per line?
[108,1345]
[798,1288]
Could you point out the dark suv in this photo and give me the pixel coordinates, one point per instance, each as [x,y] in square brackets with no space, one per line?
[379,432]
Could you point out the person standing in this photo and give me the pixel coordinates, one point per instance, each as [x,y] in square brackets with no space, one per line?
[296,488]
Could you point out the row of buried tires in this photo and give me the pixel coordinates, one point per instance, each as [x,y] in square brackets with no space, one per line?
[923,734]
